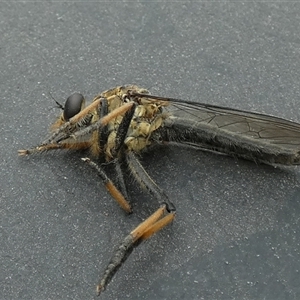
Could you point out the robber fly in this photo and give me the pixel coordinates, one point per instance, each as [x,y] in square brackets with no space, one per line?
[122,122]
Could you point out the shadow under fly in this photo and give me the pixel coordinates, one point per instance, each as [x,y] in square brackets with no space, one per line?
[122,122]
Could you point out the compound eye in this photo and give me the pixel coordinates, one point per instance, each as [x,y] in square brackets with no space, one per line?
[73,106]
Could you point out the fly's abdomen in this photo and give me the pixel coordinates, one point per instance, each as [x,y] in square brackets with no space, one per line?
[266,139]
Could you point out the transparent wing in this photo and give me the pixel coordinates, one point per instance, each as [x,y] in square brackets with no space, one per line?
[255,126]
[249,135]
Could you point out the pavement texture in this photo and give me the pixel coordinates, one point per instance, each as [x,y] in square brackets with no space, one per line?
[237,229]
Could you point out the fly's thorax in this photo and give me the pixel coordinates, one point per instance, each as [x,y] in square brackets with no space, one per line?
[114,102]
[148,117]
[147,111]
[139,134]
[110,145]
[139,128]
[137,144]
[122,91]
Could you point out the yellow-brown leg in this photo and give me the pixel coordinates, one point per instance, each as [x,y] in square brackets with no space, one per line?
[42,148]
[62,132]
[147,228]
[116,194]
[52,143]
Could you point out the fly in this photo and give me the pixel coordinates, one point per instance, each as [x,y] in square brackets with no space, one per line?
[125,121]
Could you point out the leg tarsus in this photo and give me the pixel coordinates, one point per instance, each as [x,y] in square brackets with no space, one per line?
[116,262]
[143,231]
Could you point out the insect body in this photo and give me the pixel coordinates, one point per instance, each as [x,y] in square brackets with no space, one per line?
[126,120]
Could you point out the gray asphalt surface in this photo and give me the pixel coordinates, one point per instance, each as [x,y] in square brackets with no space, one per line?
[237,230]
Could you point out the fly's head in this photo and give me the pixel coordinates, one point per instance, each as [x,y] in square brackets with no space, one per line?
[73,105]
